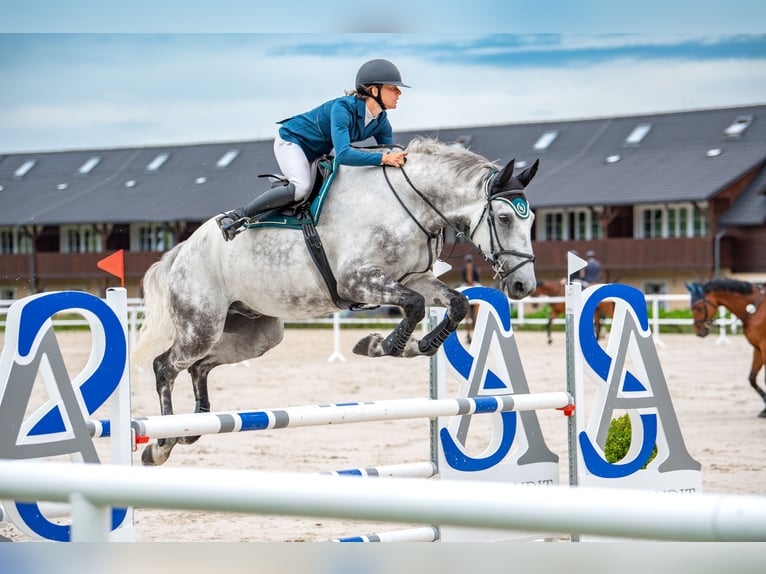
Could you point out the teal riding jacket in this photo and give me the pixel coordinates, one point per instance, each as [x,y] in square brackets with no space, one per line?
[336,124]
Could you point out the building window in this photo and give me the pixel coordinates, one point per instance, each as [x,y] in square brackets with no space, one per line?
[151,237]
[80,239]
[570,224]
[7,242]
[14,242]
[673,220]
[554,226]
[700,222]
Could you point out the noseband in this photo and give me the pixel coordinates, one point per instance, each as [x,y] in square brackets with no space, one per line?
[707,320]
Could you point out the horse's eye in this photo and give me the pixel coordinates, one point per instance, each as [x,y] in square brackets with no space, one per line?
[504,219]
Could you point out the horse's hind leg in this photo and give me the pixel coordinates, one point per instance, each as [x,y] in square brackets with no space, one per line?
[199,372]
[199,332]
[165,375]
[244,337]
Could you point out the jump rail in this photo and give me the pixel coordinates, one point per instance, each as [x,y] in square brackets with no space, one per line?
[170,426]
[93,488]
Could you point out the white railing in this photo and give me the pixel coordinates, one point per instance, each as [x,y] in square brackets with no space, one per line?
[726,321]
[92,489]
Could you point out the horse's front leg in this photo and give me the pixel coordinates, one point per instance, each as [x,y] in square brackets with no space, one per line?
[395,344]
[753,377]
[437,294]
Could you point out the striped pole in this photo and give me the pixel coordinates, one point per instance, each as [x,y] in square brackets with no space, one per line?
[170,426]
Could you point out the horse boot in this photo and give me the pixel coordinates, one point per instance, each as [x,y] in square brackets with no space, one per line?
[233,222]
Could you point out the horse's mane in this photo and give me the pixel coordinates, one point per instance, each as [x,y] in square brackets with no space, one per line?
[461,159]
[725,284]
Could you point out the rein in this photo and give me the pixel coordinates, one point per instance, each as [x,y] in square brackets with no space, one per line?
[488,212]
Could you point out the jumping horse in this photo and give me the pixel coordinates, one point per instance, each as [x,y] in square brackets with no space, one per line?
[557,308]
[210,302]
[746,301]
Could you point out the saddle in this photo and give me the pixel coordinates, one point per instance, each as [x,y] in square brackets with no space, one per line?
[304,216]
[294,216]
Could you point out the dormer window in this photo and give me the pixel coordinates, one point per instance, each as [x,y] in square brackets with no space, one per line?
[24,168]
[638,134]
[227,158]
[738,127]
[545,140]
[157,162]
[88,166]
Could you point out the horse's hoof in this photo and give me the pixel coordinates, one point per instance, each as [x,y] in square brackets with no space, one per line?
[153,455]
[369,346]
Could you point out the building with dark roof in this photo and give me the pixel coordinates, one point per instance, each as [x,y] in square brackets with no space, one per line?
[661,198]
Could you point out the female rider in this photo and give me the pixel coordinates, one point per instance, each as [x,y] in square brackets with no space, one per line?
[336,123]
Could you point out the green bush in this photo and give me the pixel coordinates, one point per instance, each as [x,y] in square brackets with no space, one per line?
[618,440]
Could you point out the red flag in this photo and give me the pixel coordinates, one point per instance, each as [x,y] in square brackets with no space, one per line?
[114,264]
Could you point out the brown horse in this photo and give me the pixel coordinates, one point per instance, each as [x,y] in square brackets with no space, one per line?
[746,301]
[557,289]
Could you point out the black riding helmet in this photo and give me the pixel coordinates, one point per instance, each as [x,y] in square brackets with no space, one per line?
[377,73]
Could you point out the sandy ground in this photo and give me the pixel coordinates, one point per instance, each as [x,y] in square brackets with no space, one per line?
[715,405]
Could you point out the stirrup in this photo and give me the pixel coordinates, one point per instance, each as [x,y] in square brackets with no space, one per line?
[233,227]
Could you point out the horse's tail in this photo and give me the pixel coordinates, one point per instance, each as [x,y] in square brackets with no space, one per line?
[157,329]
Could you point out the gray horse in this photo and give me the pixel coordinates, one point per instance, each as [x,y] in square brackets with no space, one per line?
[211,302]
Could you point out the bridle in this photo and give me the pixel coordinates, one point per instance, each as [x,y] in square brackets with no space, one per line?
[515,198]
[707,320]
[521,207]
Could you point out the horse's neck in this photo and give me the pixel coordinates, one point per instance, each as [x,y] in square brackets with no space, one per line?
[737,303]
[454,194]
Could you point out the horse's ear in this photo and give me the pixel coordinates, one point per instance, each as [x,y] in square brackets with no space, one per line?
[526,176]
[695,289]
[502,179]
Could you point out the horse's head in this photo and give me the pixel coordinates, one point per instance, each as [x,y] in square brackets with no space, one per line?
[506,227]
[700,307]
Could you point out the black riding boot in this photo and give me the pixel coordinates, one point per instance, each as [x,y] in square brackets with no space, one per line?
[232,222]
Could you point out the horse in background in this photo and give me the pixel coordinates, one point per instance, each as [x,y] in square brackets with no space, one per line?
[210,302]
[746,302]
[557,308]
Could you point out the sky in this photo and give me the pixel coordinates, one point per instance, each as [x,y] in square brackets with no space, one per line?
[73,78]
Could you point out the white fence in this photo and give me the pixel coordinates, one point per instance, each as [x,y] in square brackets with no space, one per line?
[726,321]
[93,488]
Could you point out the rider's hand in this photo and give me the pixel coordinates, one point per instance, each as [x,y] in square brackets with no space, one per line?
[394,159]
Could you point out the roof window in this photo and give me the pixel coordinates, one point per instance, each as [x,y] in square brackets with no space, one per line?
[738,127]
[638,134]
[157,162]
[545,140]
[521,164]
[613,158]
[130,183]
[714,152]
[227,158]
[24,168]
[200,180]
[88,166]
[62,186]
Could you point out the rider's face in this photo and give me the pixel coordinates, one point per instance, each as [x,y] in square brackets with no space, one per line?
[390,95]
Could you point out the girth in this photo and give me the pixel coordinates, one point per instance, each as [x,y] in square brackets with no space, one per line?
[318,255]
